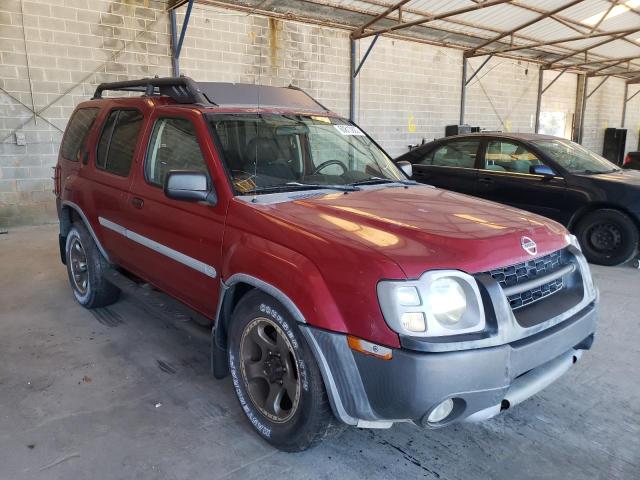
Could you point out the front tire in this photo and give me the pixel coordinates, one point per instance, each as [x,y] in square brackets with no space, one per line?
[86,269]
[275,375]
[607,237]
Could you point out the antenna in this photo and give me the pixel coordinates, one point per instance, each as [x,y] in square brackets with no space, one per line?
[255,158]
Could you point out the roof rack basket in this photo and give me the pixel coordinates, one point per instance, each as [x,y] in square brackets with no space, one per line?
[180,89]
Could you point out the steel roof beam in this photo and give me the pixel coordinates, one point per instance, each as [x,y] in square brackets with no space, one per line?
[595,62]
[431,18]
[590,47]
[593,72]
[391,9]
[567,22]
[586,36]
[606,14]
[524,25]
[624,72]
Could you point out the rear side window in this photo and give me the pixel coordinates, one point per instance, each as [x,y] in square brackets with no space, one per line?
[173,146]
[461,154]
[118,141]
[77,130]
[504,156]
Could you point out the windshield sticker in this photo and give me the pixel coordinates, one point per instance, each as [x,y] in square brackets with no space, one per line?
[348,130]
[321,119]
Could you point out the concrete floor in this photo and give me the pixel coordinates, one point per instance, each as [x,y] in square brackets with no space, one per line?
[117,393]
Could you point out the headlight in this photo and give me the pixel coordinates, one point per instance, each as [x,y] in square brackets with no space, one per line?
[440,303]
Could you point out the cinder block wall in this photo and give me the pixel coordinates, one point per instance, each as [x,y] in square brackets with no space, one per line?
[632,119]
[603,110]
[560,96]
[502,96]
[71,47]
[226,46]
[405,92]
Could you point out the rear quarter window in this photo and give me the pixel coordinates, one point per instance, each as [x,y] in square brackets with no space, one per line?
[76,133]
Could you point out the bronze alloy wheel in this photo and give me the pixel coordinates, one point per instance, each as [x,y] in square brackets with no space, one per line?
[269,370]
[78,265]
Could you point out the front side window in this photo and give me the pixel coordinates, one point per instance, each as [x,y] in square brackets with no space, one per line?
[575,158]
[173,146]
[461,154]
[503,156]
[277,152]
[118,141]
[79,126]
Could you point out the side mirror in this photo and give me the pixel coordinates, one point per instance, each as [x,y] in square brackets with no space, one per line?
[405,167]
[189,186]
[542,170]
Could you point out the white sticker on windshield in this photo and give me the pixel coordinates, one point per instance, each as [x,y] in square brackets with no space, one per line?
[348,130]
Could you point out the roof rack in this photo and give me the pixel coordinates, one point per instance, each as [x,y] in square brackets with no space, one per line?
[185,90]
[180,89]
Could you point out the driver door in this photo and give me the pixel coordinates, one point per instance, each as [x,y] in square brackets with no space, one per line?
[505,178]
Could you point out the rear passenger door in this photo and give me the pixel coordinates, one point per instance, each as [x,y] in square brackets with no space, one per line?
[505,178]
[451,165]
[110,176]
[176,245]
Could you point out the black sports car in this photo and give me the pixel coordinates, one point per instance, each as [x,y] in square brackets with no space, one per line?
[557,178]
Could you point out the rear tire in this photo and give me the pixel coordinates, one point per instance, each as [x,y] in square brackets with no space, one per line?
[275,376]
[86,268]
[607,237]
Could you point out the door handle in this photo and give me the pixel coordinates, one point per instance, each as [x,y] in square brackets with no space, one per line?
[486,180]
[137,202]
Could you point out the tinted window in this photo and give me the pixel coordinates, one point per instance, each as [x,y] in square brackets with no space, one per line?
[117,143]
[173,146]
[77,130]
[454,154]
[509,157]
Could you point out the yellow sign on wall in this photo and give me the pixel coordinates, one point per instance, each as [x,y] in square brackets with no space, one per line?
[411,124]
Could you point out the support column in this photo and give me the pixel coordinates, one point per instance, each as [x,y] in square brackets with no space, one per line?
[463,90]
[583,106]
[624,104]
[175,62]
[539,99]
[352,82]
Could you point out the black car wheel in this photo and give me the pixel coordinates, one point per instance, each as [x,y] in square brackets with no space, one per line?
[275,375]
[86,269]
[607,237]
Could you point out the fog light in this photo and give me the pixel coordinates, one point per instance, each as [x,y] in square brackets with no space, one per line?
[441,412]
[414,321]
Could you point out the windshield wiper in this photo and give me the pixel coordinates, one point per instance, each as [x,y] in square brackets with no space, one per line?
[289,186]
[332,186]
[598,172]
[375,180]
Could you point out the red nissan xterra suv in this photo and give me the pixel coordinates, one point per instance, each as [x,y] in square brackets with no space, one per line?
[337,290]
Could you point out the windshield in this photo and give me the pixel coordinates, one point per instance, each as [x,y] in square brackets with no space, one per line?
[575,158]
[271,152]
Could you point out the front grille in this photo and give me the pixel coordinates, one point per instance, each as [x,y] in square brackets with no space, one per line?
[523,272]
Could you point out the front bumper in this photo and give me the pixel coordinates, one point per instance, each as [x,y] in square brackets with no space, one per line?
[370,392]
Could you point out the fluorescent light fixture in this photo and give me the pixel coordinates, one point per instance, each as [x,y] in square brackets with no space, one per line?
[615,11]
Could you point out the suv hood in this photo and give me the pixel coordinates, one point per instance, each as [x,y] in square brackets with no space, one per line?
[421,227]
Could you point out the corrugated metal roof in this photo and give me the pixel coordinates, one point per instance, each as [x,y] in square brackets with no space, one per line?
[472,29]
